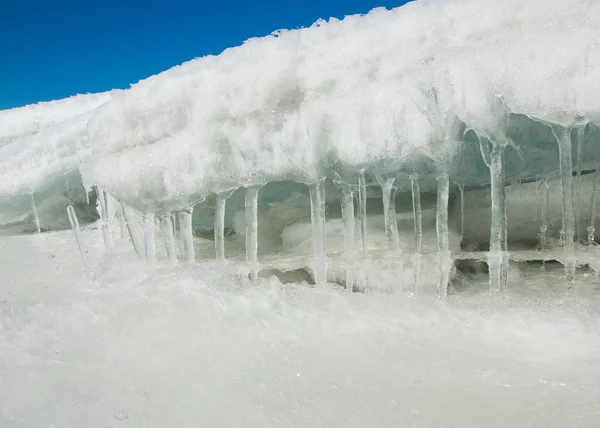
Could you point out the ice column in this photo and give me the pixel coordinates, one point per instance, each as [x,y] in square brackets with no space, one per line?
[101,195]
[75,226]
[347,203]
[563,137]
[544,215]
[461,187]
[389,212]
[134,231]
[187,235]
[577,209]
[252,229]
[149,237]
[317,217]
[220,223]
[362,217]
[418,222]
[168,236]
[497,256]
[592,227]
[36,217]
[441,225]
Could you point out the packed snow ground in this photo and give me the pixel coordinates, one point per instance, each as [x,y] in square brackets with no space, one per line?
[124,345]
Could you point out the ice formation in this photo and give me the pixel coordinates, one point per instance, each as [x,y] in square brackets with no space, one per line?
[432,98]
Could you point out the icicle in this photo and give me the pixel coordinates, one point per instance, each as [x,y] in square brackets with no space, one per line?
[563,137]
[461,187]
[75,226]
[220,223]
[134,231]
[444,259]
[36,217]
[520,189]
[497,257]
[317,217]
[104,218]
[577,206]
[68,189]
[166,225]
[347,203]
[389,212]
[149,232]
[592,227]
[544,215]
[362,210]
[418,222]
[252,230]
[187,235]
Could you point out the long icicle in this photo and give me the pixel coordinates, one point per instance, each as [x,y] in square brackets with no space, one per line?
[149,237]
[497,257]
[388,195]
[418,222]
[347,203]
[441,225]
[252,230]
[577,206]
[36,217]
[104,219]
[592,227]
[461,187]
[362,217]
[317,218]
[135,232]
[544,215]
[166,225]
[187,235]
[563,138]
[76,231]
[221,204]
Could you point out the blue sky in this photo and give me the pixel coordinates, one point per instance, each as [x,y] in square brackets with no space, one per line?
[51,49]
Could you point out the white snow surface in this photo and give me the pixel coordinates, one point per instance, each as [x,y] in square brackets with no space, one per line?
[383,87]
[128,346]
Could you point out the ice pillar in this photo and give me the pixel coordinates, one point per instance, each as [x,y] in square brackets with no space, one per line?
[497,256]
[592,227]
[347,203]
[563,137]
[187,235]
[577,205]
[134,231]
[76,231]
[441,225]
[461,187]
[166,225]
[36,217]
[317,218]
[252,229]
[362,210]
[544,214]
[101,196]
[220,223]
[149,237]
[418,222]
[389,212]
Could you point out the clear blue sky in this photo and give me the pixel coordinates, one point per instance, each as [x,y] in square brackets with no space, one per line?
[51,49]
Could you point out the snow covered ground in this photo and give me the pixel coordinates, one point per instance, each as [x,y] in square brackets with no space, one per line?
[124,345]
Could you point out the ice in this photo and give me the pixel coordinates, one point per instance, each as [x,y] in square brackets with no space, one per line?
[317,218]
[168,235]
[149,237]
[187,237]
[76,231]
[36,216]
[135,231]
[591,228]
[220,223]
[252,229]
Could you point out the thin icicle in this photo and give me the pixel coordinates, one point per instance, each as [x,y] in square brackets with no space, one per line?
[168,237]
[544,215]
[388,195]
[577,206]
[36,217]
[68,189]
[497,257]
[563,137]
[252,230]
[220,223]
[592,227]
[347,203]
[149,237]
[187,235]
[135,232]
[76,231]
[104,219]
[441,225]
[317,218]
[362,210]
[461,187]
[418,223]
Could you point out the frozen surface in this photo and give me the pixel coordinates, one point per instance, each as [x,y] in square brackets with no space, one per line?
[182,347]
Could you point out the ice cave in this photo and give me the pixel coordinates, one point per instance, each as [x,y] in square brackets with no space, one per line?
[409,151]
